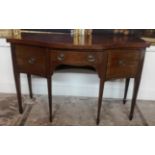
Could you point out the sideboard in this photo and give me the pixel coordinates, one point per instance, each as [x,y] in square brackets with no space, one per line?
[112,56]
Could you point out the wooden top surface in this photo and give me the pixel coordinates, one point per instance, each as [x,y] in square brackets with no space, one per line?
[67,41]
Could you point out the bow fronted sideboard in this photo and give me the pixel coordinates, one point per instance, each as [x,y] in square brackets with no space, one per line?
[112,56]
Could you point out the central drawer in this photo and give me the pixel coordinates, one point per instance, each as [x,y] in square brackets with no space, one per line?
[76,58]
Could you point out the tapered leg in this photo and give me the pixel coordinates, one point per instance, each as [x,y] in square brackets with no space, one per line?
[100,100]
[126,89]
[18,89]
[49,83]
[134,98]
[30,85]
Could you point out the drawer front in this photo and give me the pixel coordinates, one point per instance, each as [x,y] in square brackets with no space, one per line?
[122,63]
[76,58]
[30,59]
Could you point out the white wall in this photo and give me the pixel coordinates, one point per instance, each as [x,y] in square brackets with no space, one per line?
[73,83]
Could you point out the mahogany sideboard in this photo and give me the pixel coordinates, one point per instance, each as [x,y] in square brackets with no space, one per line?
[112,56]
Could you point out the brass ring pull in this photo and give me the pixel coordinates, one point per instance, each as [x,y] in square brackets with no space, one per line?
[61,57]
[121,62]
[31,61]
[91,58]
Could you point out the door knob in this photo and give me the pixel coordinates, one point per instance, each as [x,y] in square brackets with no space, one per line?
[61,57]
[31,61]
[91,58]
[121,62]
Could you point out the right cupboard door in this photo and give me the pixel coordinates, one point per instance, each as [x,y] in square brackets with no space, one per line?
[122,63]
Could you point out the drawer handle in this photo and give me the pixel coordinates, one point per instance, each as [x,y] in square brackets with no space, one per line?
[61,57]
[31,61]
[121,62]
[91,58]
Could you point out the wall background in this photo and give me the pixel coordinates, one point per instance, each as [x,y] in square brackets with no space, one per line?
[77,83]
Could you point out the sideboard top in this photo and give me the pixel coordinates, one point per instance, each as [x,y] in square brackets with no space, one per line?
[68,41]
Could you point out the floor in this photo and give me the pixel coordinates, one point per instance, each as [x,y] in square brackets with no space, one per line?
[73,111]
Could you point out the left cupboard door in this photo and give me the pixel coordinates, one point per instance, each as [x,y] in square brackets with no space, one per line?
[31,59]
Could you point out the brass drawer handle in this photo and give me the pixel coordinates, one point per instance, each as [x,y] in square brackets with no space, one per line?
[121,62]
[31,61]
[91,58]
[61,57]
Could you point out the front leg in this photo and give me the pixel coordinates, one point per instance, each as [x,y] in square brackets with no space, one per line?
[18,89]
[49,83]
[126,89]
[134,98]
[100,100]
[30,85]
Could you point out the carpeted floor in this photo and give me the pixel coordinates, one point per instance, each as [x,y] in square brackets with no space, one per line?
[76,111]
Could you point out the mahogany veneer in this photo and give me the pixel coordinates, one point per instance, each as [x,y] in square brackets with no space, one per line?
[113,57]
